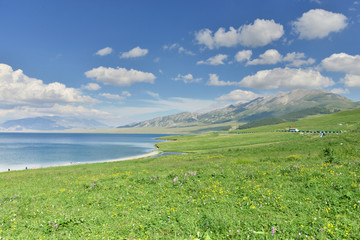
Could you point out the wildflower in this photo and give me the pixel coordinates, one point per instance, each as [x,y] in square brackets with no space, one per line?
[273,230]
[175,179]
[315,219]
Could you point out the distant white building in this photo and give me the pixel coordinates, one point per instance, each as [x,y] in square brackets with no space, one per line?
[293,130]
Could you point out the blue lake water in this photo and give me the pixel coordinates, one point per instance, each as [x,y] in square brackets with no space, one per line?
[36,150]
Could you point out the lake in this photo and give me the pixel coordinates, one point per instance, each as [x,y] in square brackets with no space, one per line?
[37,150]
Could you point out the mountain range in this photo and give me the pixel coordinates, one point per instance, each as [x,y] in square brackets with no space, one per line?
[50,123]
[284,106]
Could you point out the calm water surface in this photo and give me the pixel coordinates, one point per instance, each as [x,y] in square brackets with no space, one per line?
[35,150]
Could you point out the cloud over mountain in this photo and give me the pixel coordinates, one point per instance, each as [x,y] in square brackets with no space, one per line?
[286,78]
[239,95]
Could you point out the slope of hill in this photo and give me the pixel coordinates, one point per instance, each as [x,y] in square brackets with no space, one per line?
[296,104]
[348,120]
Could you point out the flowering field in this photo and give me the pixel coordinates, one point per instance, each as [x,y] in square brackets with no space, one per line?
[228,186]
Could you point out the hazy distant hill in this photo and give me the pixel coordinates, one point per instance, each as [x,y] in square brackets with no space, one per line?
[49,124]
[295,104]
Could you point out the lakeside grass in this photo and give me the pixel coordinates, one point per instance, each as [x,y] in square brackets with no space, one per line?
[228,186]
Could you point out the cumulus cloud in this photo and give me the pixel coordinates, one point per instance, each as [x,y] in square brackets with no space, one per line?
[260,33]
[18,89]
[319,23]
[112,96]
[243,55]
[188,78]
[119,76]
[352,81]
[297,59]
[216,60]
[135,52]
[286,78]
[92,87]
[271,56]
[214,81]
[104,51]
[239,96]
[179,48]
[342,62]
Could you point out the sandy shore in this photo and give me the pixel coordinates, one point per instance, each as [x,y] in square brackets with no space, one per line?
[135,157]
[69,164]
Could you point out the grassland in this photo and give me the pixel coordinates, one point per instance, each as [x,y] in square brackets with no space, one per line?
[264,185]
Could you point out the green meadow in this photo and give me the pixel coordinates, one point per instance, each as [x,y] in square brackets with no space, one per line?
[228,185]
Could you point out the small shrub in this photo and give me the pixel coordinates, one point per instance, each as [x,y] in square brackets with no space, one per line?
[293,157]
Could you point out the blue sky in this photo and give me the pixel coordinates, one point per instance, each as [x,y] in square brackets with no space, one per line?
[127,61]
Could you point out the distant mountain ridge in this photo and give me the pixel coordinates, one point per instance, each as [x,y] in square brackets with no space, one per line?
[297,102]
[50,123]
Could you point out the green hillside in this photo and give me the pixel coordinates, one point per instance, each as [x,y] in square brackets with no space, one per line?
[340,121]
[264,185]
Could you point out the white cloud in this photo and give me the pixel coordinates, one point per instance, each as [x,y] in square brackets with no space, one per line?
[342,62]
[297,59]
[153,94]
[179,48]
[216,60]
[112,96]
[286,78]
[340,91]
[104,51]
[318,23]
[260,33]
[19,112]
[91,87]
[188,78]
[135,52]
[243,55]
[214,81]
[126,94]
[119,76]
[351,80]
[271,56]
[239,96]
[18,89]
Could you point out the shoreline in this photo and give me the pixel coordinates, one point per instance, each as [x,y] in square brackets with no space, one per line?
[146,155]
